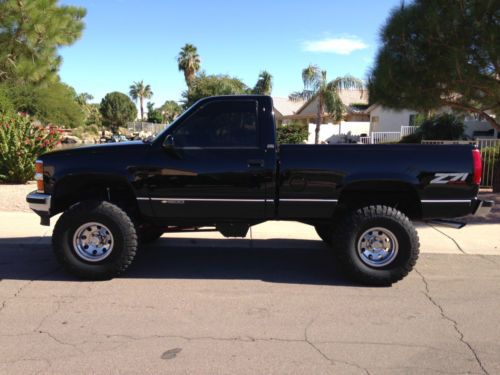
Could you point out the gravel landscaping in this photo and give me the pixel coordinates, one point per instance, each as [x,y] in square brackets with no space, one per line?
[13,196]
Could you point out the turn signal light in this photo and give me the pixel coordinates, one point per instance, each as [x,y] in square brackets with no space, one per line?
[39,176]
[477,167]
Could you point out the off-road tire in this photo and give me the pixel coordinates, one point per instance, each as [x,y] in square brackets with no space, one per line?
[119,224]
[350,228]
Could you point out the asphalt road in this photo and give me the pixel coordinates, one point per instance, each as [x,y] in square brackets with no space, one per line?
[221,306]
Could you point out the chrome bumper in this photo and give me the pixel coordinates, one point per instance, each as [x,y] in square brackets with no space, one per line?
[40,203]
[482,207]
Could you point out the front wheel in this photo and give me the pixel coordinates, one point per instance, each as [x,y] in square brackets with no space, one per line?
[378,245]
[95,240]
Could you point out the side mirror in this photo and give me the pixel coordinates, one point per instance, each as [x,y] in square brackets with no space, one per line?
[168,142]
[169,145]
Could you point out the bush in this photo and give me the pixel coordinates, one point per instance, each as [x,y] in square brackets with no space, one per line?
[6,105]
[412,138]
[51,104]
[442,127]
[21,142]
[117,109]
[209,85]
[294,132]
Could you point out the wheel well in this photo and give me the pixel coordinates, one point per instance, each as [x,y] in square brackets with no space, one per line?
[77,189]
[398,195]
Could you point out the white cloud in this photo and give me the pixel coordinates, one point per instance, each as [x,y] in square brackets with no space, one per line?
[341,46]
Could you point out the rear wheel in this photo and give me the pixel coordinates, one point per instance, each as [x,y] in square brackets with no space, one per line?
[378,245]
[95,240]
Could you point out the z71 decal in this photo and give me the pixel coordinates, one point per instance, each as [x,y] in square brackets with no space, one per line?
[447,178]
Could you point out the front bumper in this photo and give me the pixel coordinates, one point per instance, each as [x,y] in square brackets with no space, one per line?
[482,207]
[40,203]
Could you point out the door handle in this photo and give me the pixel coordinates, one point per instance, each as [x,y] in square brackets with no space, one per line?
[255,163]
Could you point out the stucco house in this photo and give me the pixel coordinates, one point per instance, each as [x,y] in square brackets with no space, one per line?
[284,108]
[383,119]
[356,102]
[356,120]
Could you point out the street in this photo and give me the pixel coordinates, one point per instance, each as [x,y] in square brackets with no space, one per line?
[197,303]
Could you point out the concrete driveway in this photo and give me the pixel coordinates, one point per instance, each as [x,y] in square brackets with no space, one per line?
[275,302]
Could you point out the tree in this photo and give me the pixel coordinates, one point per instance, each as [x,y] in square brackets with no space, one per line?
[444,126]
[203,86]
[295,132]
[83,98]
[170,110]
[91,110]
[264,85]
[140,91]
[438,54]
[117,109]
[31,33]
[189,62]
[327,93]
[93,115]
[51,103]
[154,115]
[6,106]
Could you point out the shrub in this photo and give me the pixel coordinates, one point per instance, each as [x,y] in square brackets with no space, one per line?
[53,103]
[21,142]
[412,138]
[442,127]
[117,109]
[294,132]
[6,105]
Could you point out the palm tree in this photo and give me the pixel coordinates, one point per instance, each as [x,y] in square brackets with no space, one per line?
[264,84]
[83,98]
[328,93]
[189,62]
[170,110]
[140,91]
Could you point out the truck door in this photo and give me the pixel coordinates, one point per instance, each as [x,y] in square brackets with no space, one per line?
[217,166]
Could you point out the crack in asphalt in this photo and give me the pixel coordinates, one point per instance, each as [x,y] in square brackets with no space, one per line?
[403,345]
[452,321]
[45,360]
[434,370]
[451,238]
[25,285]
[332,361]
[306,340]
[482,256]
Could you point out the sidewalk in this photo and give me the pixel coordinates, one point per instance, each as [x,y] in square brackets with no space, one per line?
[21,228]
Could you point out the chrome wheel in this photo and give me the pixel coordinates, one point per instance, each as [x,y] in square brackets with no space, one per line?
[377,247]
[93,242]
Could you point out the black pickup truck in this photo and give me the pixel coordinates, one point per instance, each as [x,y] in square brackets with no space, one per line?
[218,165]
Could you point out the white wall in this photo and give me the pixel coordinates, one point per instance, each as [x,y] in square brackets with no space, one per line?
[389,120]
[345,127]
[475,125]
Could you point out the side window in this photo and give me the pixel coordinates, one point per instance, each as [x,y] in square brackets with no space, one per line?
[220,124]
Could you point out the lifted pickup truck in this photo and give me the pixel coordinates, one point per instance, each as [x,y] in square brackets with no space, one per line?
[219,165]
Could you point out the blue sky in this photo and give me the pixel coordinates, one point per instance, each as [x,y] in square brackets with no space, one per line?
[130,40]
